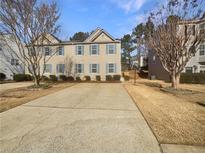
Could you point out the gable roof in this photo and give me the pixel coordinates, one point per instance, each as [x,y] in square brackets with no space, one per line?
[98,31]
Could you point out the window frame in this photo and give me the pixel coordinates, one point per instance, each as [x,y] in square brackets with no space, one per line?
[50,68]
[47,51]
[62,53]
[202,50]
[96,50]
[96,69]
[108,49]
[59,68]
[79,68]
[77,50]
[14,62]
[113,68]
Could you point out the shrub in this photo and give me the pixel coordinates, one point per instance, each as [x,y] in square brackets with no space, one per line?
[44,78]
[78,78]
[116,77]
[98,78]
[70,78]
[22,77]
[2,76]
[127,78]
[63,77]
[87,78]
[53,78]
[197,78]
[109,78]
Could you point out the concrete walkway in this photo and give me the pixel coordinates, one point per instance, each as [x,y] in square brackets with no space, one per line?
[87,117]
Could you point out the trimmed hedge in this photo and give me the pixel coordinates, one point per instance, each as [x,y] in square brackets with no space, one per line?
[108,77]
[2,76]
[87,78]
[44,78]
[127,78]
[78,78]
[98,78]
[53,78]
[22,77]
[196,78]
[63,77]
[70,78]
[116,77]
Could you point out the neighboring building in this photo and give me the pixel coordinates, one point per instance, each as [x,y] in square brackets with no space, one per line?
[195,65]
[99,54]
[139,61]
[10,63]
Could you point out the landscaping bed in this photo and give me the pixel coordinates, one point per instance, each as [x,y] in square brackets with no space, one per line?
[18,96]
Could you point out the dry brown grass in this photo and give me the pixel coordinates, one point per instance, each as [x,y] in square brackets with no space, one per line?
[173,120]
[15,97]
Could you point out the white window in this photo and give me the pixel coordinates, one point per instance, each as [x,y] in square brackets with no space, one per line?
[79,68]
[202,50]
[14,62]
[94,49]
[60,68]
[111,68]
[94,68]
[79,50]
[48,68]
[47,51]
[110,48]
[60,51]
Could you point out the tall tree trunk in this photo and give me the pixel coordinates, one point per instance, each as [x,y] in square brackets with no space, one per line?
[175,80]
[36,81]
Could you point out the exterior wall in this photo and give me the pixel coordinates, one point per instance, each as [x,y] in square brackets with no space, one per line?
[155,67]
[196,63]
[6,55]
[102,59]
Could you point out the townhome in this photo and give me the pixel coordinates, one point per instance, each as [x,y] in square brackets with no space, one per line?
[10,62]
[99,54]
[195,65]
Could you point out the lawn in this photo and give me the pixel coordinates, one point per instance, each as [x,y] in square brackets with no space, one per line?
[18,96]
[174,118]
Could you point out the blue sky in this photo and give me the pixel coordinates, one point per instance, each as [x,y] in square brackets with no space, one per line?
[118,17]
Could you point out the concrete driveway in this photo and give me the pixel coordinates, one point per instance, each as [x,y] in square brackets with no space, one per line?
[87,117]
[7,86]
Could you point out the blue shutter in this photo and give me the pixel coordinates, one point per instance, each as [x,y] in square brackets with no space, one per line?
[106,68]
[90,68]
[76,50]
[76,68]
[98,68]
[57,50]
[50,68]
[98,49]
[63,50]
[115,48]
[82,67]
[115,66]
[90,48]
[63,67]
[82,50]
[57,68]
[106,48]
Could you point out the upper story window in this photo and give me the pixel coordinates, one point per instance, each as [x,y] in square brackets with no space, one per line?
[94,49]
[202,50]
[79,50]
[110,49]
[14,62]
[79,68]
[202,26]
[60,68]
[94,68]
[60,50]
[47,51]
[111,68]
[48,68]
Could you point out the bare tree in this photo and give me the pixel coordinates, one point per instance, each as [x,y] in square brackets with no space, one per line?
[171,39]
[29,23]
[68,65]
